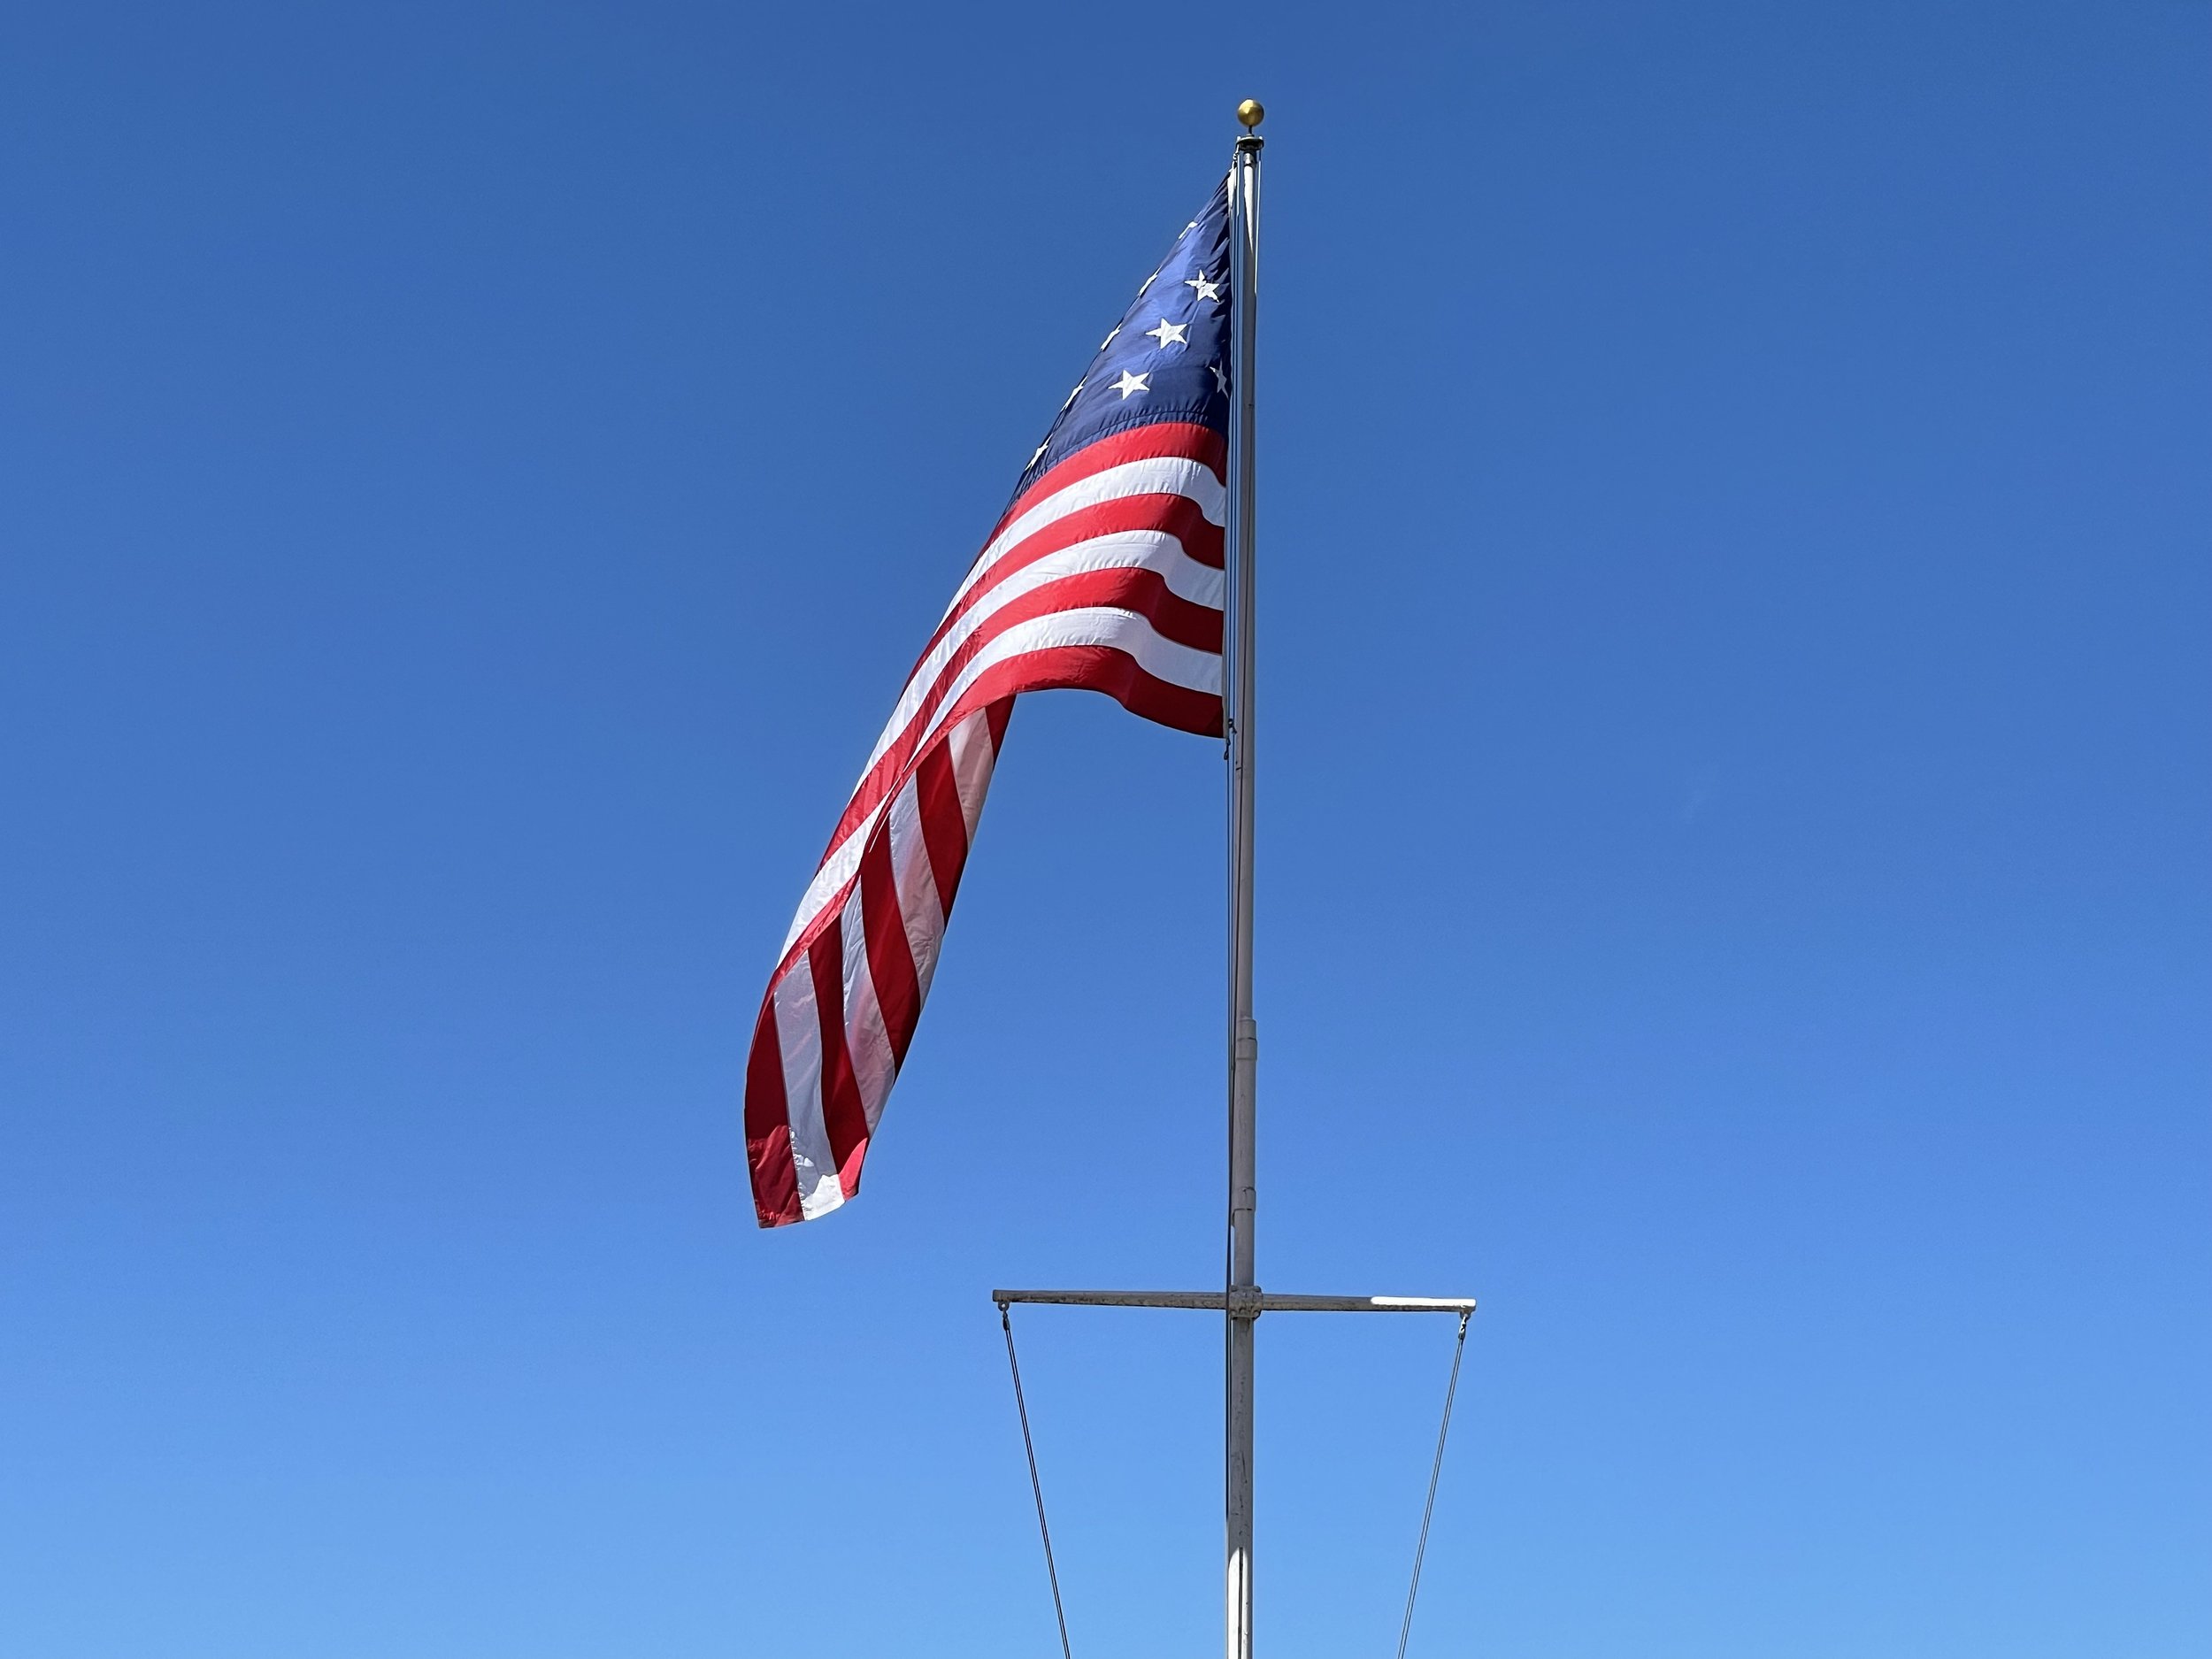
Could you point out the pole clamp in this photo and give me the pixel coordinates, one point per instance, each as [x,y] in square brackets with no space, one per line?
[1243,1301]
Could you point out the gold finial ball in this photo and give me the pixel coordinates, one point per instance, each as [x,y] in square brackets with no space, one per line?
[1251,112]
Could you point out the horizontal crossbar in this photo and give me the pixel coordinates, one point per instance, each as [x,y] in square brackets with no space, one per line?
[1216,1301]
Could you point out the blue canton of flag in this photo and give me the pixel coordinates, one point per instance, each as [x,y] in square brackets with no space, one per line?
[1167,359]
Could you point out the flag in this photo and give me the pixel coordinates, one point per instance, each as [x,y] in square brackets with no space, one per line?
[1104,573]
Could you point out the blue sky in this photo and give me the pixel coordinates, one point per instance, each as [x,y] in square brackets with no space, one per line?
[1734,891]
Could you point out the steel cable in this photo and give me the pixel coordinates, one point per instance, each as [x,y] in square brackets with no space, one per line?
[1036,1486]
[1436,1469]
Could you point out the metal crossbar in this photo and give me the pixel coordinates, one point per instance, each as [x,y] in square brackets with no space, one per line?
[1232,1300]
[1241,1303]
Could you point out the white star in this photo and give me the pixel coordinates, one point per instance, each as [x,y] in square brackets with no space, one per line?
[1129,383]
[1040,456]
[1221,377]
[1109,338]
[1168,333]
[1073,396]
[1206,290]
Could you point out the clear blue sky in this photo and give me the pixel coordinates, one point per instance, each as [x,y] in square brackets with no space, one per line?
[1734,877]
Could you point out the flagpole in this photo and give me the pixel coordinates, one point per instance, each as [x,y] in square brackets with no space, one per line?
[1240,1300]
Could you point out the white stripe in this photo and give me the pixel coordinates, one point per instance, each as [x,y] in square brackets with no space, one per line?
[1126,550]
[919,907]
[972,756]
[866,1041]
[799,1032]
[1122,549]
[1096,625]
[1158,550]
[837,868]
[1157,475]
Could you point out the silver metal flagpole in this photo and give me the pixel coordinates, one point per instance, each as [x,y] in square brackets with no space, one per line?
[1240,1299]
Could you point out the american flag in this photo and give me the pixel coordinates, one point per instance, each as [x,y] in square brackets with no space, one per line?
[1104,574]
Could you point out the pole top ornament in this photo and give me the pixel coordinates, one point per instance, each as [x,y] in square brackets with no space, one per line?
[1251,112]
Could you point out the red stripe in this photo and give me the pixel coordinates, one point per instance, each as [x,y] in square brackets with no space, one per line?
[1093,668]
[1176,515]
[1184,439]
[944,826]
[946,840]
[891,969]
[1070,667]
[843,1118]
[1143,593]
[1151,509]
[1164,511]
[832,908]
[768,1123]
[1174,617]
[943,818]
[890,955]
